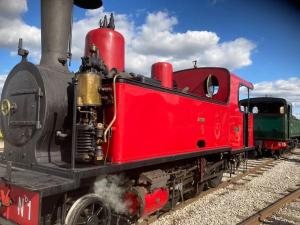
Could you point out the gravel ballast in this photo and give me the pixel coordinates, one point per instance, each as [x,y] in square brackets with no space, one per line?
[288,215]
[236,202]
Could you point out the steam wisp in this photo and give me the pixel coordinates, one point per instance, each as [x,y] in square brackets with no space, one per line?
[111,190]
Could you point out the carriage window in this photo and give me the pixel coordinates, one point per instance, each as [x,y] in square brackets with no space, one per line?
[242,108]
[254,110]
[267,108]
[290,111]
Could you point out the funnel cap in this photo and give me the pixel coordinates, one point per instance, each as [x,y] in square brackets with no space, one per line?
[88,4]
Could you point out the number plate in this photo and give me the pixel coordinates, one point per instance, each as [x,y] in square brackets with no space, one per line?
[23,207]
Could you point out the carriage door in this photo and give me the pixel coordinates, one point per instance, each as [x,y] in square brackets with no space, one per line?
[246,128]
[289,113]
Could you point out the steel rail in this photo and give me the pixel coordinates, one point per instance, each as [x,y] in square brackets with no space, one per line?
[263,214]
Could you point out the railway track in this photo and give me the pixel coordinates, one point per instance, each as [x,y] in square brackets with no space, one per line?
[268,211]
[254,168]
[288,214]
[285,210]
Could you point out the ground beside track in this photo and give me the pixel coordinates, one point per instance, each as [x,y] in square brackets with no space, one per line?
[238,201]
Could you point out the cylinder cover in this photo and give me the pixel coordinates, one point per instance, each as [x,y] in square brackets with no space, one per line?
[110,44]
[140,201]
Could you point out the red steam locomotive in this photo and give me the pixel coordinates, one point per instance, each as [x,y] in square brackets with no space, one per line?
[104,145]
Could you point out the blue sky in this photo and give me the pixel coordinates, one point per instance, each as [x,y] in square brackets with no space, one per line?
[258,40]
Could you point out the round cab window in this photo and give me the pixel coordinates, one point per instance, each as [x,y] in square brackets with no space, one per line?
[211,86]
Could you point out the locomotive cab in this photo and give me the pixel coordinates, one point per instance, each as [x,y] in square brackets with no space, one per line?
[213,83]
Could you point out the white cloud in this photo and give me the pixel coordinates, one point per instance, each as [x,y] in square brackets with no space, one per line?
[288,89]
[155,40]
[2,80]
[12,8]
[232,55]
[156,37]
[12,27]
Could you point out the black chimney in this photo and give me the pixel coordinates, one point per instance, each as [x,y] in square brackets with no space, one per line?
[55,29]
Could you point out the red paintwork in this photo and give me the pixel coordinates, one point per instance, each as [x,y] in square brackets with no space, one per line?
[275,145]
[236,116]
[153,123]
[148,203]
[132,202]
[163,71]
[110,44]
[251,131]
[5,198]
[155,201]
[31,203]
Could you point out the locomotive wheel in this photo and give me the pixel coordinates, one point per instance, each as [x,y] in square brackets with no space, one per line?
[89,210]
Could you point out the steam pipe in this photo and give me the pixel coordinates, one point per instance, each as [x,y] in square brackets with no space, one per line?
[115,109]
[56,17]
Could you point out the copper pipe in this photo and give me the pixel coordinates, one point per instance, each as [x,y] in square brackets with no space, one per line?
[115,109]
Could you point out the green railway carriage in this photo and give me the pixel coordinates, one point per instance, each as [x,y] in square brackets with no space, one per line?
[275,127]
[294,127]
